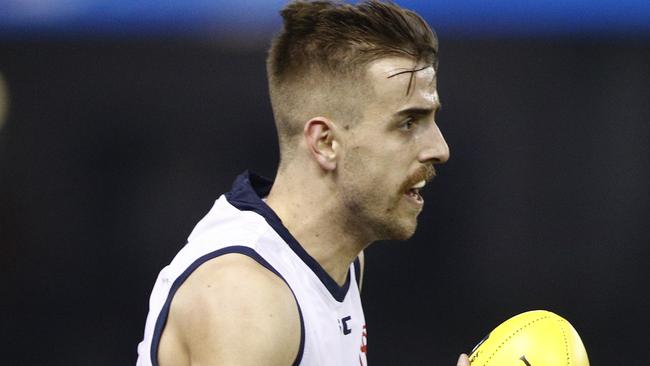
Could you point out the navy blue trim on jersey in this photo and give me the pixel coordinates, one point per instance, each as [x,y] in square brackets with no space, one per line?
[246,195]
[164,313]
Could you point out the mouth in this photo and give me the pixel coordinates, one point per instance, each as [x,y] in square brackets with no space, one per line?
[413,193]
[416,182]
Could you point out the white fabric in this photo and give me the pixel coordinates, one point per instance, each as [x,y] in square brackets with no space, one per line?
[225,226]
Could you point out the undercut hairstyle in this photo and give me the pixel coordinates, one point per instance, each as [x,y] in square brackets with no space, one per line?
[317,64]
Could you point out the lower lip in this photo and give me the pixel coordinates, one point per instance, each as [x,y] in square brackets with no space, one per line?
[415,200]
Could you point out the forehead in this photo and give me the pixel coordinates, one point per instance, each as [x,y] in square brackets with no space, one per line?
[398,81]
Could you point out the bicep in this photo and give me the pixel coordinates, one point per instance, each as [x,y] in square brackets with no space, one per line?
[232,311]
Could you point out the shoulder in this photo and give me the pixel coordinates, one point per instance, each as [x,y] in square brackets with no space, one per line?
[233,310]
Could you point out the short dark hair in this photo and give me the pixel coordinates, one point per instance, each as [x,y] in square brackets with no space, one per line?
[325,43]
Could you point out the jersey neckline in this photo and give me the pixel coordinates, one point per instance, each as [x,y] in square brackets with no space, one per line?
[246,195]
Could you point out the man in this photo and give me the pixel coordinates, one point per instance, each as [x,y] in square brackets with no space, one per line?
[271,276]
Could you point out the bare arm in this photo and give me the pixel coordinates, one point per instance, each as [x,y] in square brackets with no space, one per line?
[231,311]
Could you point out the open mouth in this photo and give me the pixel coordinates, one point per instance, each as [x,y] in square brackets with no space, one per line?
[414,192]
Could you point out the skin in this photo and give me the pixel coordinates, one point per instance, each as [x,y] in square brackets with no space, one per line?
[218,319]
[344,189]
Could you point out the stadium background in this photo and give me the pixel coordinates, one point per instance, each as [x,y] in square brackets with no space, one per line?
[127,121]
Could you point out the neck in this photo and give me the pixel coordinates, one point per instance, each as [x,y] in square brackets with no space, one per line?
[308,211]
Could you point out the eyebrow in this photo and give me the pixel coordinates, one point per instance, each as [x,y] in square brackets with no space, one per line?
[418,111]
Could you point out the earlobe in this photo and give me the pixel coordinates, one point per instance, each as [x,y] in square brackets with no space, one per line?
[321,142]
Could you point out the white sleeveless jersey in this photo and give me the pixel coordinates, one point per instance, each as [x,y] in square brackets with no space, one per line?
[333,330]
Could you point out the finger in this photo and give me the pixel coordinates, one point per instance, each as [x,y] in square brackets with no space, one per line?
[463,360]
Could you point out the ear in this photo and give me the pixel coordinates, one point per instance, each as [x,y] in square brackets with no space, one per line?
[321,142]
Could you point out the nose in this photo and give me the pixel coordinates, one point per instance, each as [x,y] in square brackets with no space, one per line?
[435,149]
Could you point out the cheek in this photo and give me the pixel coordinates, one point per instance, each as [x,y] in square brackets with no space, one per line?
[376,162]
[364,164]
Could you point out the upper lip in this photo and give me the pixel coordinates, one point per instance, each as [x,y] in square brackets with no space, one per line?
[425,174]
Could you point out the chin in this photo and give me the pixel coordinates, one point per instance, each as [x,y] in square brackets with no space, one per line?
[399,230]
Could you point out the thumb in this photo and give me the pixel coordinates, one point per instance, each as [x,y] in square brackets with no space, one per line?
[463,360]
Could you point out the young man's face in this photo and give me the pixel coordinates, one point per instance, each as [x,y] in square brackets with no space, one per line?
[388,152]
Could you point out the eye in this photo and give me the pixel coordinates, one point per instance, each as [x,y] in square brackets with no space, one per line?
[408,124]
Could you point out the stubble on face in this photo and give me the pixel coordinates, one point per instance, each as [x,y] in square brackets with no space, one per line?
[371,187]
[373,205]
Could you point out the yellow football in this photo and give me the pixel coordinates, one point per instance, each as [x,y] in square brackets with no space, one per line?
[534,338]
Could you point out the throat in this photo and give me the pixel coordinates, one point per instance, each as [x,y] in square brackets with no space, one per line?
[315,222]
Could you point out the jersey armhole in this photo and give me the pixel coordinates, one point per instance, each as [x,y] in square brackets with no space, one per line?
[247,251]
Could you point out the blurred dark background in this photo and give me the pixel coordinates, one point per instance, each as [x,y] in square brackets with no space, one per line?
[121,133]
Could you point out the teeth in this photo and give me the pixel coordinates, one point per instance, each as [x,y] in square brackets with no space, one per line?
[419,185]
